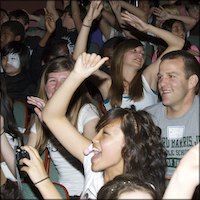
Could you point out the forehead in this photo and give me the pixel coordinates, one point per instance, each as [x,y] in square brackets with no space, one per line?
[58,74]
[171,65]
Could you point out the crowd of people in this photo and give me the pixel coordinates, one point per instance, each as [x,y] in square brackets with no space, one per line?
[115,125]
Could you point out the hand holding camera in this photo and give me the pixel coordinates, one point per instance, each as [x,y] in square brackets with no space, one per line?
[20,153]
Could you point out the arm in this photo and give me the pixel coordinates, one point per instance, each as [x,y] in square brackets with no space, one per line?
[50,28]
[36,171]
[134,10]
[81,42]
[7,152]
[186,176]
[51,7]
[174,43]
[163,15]
[76,14]
[54,111]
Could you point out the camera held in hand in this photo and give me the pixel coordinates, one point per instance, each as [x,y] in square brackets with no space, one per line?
[20,153]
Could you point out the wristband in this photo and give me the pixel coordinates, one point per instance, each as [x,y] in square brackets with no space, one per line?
[86,25]
[41,180]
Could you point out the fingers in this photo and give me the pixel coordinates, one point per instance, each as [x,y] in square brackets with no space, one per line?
[39,103]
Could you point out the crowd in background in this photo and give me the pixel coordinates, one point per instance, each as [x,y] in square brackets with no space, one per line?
[112,94]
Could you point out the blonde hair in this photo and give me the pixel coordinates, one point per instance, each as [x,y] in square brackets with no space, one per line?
[80,97]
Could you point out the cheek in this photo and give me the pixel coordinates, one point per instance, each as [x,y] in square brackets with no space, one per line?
[49,91]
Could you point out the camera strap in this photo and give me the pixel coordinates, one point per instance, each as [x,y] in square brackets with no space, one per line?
[19,183]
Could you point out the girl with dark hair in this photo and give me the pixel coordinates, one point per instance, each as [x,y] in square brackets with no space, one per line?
[10,135]
[127,187]
[127,141]
[176,27]
[15,64]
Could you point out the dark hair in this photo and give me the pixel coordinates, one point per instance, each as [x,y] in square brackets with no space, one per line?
[52,49]
[167,25]
[143,153]
[10,125]
[83,11]
[15,27]
[191,65]
[125,183]
[21,49]
[20,14]
[10,190]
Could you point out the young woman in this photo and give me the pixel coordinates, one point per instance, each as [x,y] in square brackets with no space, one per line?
[127,141]
[81,113]
[176,27]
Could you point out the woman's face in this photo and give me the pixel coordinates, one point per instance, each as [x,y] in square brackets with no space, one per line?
[11,64]
[178,30]
[54,81]
[134,57]
[107,146]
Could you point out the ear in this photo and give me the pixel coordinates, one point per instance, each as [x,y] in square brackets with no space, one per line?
[18,38]
[193,80]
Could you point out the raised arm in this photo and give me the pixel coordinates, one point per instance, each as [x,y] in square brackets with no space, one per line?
[134,10]
[81,42]
[76,14]
[163,15]
[186,176]
[50,28]
[54,111]
[174,43]
[51,7]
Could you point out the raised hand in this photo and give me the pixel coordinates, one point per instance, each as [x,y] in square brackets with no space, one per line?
[94,10]
[134,21]
[49,21]
[161,13]
[39,105]
[34,166]
[87,63]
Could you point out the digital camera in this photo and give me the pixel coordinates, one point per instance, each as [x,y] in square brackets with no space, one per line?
[20,153]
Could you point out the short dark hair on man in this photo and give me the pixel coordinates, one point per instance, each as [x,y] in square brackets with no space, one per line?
[191,65]
[19,14]
[15,27]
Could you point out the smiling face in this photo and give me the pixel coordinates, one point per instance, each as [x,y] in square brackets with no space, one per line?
[54,81]
[172,83]
[108,144]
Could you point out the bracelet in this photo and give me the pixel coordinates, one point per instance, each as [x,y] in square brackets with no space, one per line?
[2,133]
[41,180]
[86,25]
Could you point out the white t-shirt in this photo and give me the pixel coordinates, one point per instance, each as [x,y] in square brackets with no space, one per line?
[149,98]
[70,170]
[93,180]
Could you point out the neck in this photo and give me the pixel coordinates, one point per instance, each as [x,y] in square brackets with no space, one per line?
[112,172]
[180,109]
[129,73]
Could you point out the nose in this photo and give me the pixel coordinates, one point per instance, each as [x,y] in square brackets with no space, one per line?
[96,138]
[162,82]
[58,84]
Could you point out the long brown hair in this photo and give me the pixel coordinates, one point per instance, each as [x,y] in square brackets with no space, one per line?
[117,88]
